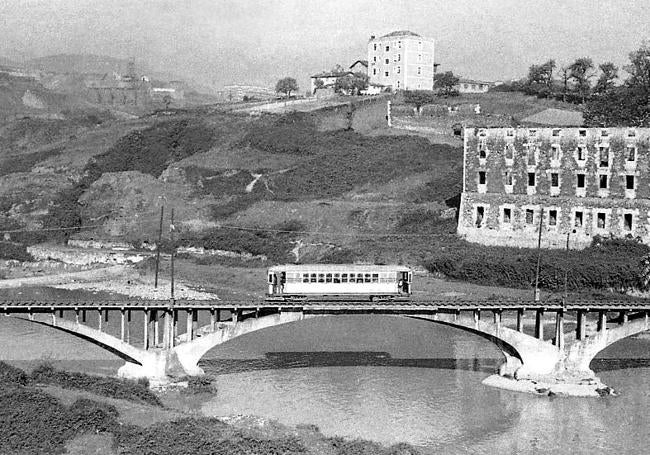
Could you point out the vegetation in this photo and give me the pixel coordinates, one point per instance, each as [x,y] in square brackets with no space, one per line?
[286,86]
[608,264]
[100,385]
[419,98]
[446,83]
[351,84]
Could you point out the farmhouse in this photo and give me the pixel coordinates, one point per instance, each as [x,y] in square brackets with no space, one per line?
[570,184]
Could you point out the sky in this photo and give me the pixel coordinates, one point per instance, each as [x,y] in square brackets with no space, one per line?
[218,42]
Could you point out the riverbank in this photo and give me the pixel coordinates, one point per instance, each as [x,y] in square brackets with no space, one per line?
[590,388]
[43,417]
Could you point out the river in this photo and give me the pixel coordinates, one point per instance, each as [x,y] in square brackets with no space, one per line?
[391,379]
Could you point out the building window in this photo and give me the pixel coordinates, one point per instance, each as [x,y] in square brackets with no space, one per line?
[604,133]
[601,220]
[398,84]
[530,155]
[387,61]
[532,133]
[419,70]
[578,220]
[631,153]
[375,46]
[556,132]
[510,151]
[555,152]
[374,71]
[580,183]
[374,59]
[555,179]
[399,44]
[386,74]
[531,179]
[582,152]
[582,133]
[507,213]
[603,181]
[629,182]
[529,216]
[552,217]
[627,221]
[508,176]
[387,48]
[510,133]
[419,57]
[604,156]
[398,70]
[631,133]
[399,57]
[480,213]
[481,177]
[482,152]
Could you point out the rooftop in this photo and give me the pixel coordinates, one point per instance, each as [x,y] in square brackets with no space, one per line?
[400,33]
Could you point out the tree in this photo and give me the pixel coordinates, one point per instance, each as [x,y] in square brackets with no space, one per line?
[540,78]
[566,76]
[629,104]
[419,98]
[581,71]
[351,84]
[318,84]
[609,73]
[286,86]
[446,82]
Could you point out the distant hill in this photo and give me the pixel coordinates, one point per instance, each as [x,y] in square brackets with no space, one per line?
[78,63]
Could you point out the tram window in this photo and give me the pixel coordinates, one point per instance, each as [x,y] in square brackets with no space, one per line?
[337,278]
[270,278]
[305,278]
[375,278]
[321,277]
[344,278]
[328,278]
[359,277]
[313,277]
[367,278]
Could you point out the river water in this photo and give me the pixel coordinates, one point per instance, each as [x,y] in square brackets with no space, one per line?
[391,379]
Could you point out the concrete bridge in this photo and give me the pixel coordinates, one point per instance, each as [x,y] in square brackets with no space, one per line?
[166,350]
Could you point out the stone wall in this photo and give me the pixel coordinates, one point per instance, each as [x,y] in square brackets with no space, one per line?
[585,181]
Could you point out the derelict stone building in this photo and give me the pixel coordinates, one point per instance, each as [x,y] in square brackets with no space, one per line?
[575,183]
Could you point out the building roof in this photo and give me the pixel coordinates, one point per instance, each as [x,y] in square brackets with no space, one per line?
[363,62]
[472,81]
[331,74]
[400,33]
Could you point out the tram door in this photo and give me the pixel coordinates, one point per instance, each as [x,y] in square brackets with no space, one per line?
[276,282]
[404,282]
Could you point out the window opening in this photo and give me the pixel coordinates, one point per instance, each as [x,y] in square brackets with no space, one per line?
[529,216]
[578,220]
[604,156]
[375,278]
[305,278]
[480,213]
[344,278]
[507,213]
[629,182]
[627,221]
[328,278]
[603,181]
[631,153]
[555,180]
[601,221]
[531,179]
[313,278]
[581,180]
[508,178]
[481,177]
[321,277]
[581,152]
[552,217]
[337,278]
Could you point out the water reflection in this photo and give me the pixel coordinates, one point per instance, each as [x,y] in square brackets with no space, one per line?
[283,360]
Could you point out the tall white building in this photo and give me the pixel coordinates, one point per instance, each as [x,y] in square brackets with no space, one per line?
[401,60]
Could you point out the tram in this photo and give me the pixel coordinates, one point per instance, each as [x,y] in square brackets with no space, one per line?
[353,282]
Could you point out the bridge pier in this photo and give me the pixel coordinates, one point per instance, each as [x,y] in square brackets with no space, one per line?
[539,324]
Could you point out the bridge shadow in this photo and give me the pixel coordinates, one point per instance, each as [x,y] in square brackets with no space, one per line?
[618,364]
[285,360]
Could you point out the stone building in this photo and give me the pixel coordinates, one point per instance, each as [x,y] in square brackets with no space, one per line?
[401,60]
[570,183]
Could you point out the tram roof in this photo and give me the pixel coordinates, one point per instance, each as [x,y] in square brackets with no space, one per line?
[338,268]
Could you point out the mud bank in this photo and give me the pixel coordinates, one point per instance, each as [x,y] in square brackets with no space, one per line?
[592,388]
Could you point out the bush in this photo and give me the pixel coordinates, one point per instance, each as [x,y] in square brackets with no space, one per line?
[12,375]
[100,385]
[199,384]
[15,251]
[606,265]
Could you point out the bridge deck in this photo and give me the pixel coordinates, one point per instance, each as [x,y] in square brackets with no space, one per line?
[413,306]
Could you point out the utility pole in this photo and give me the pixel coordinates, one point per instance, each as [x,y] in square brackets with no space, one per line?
[566,271]
[172,228]
[162,210]
[539,253]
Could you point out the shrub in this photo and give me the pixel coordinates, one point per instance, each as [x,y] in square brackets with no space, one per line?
[199,384]
[15,251]
[101,385]
[12,375]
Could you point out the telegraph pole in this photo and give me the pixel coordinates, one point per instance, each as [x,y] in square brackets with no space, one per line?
[539,253]
[171,235]
[162,210]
